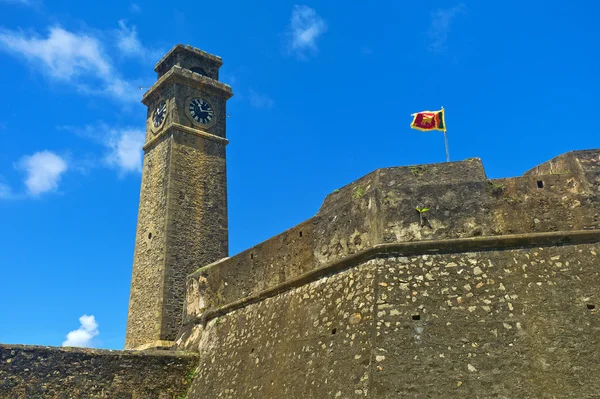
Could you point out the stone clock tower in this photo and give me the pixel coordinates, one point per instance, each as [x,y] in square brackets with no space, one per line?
[182,219]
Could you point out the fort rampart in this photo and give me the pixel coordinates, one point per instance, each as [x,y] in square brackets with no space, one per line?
[31,372]
[491,292]
[561,195]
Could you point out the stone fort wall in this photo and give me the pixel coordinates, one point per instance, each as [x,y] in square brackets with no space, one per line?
[491,294]
[379,209]
[507,323]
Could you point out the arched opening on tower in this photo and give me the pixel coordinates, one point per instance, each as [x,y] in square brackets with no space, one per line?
[199,71]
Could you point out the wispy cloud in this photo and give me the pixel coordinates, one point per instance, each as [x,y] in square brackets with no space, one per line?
[228,78]
[65,55]
[76,58]
[441,23]
[130,45]
[22,2]
[43,171]
[83,336]
[364,50]
[5,191]
[123,145]
[135,8]
[306,26]
[260,101]
[125,150]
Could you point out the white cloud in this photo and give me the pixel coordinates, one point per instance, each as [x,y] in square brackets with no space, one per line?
[441,21]
[83,336]
[78,59]
[43,171]
[128,41]
[306,26]
[5,191]
[125,150]
[258,100]
[121,89]
[135,8]
[123,144]
[65,55]
[130,46]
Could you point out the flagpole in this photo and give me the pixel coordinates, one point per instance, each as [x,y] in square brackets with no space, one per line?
[446,142]
[445,136]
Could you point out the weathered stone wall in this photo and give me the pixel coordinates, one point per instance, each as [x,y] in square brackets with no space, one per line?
[145,303]
[520,323]
[508,323]
[34,372]
[584,162]
[312,342]
[182,221]
[197,219]
[380,208]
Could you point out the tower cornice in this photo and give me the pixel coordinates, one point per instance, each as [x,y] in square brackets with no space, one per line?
[187,77]
[178,127]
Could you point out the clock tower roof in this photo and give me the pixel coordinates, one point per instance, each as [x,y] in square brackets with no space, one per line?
[188,57]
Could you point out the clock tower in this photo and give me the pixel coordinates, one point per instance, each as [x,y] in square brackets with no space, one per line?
[182,217]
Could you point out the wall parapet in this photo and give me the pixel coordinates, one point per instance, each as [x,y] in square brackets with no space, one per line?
[457,245]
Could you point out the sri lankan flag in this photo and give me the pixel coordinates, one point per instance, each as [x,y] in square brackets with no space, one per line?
[429,120]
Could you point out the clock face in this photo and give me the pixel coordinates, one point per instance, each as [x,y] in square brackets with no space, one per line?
[201,111]
[159,114]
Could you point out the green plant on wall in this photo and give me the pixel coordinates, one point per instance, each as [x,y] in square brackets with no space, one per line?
[497,189]
[422,212]
[358,192]
[189,378]
[417,170]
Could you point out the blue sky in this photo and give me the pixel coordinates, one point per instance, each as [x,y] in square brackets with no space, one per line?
[323,95]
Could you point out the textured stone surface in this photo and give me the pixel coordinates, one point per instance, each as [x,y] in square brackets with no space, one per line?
[197,225]
[497,323]
[145,303]
[313,342]
[520,323]
[35,372]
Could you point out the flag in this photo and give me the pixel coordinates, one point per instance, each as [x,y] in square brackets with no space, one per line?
[429,120]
